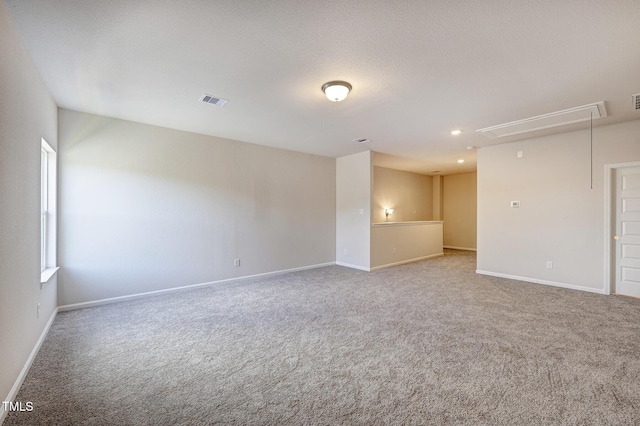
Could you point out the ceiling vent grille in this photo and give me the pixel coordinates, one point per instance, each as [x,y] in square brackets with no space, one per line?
[636,101]
[213,100]
[546,121]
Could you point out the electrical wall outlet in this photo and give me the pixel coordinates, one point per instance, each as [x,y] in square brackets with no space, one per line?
[236,262]
[549,264]
[519,154]
[515,204]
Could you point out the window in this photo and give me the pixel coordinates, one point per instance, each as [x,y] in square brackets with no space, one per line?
[47,212]
[44,194]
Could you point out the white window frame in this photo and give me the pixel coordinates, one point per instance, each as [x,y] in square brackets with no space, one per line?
[48,188]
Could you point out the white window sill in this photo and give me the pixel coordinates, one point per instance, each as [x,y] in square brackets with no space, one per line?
[46,275]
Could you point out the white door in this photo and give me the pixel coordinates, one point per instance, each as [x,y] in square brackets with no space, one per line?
[628,231]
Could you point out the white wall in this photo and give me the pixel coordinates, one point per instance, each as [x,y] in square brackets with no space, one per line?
[353,209]
[560,219]
[410,195]
[145,208]
[27,113]
[459,210]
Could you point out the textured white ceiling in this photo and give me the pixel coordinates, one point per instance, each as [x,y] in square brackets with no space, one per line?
[418,68]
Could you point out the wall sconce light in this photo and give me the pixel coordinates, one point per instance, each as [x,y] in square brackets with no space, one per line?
[336,91]
[388,212]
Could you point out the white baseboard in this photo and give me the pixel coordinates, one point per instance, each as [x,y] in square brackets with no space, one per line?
[402,262]
[544,282]
[460,248]
[109,300]
[27,365]
[349,265]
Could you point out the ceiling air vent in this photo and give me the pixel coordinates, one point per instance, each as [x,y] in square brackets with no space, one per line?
[546,121]
[362,140]
[636,101]
[213,100]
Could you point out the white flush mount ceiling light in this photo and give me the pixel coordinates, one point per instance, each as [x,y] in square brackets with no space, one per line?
[337,90]
[460,161]
[456,132]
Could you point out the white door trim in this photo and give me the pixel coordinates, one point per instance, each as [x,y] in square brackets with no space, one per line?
[610,221]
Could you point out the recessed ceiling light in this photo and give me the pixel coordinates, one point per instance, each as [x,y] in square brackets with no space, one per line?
[470,147]
[461,161]
[456,132]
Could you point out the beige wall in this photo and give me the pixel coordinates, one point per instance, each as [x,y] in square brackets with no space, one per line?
[459,201]
[560,219]
[27,113]
[437,197]
[395,244]
[353,210]
[410,195]
[146,208]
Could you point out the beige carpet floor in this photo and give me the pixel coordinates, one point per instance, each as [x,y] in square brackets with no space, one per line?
[425,343]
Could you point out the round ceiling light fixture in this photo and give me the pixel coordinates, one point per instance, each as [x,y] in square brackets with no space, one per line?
[337,90]
[456,132]
[461,161]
